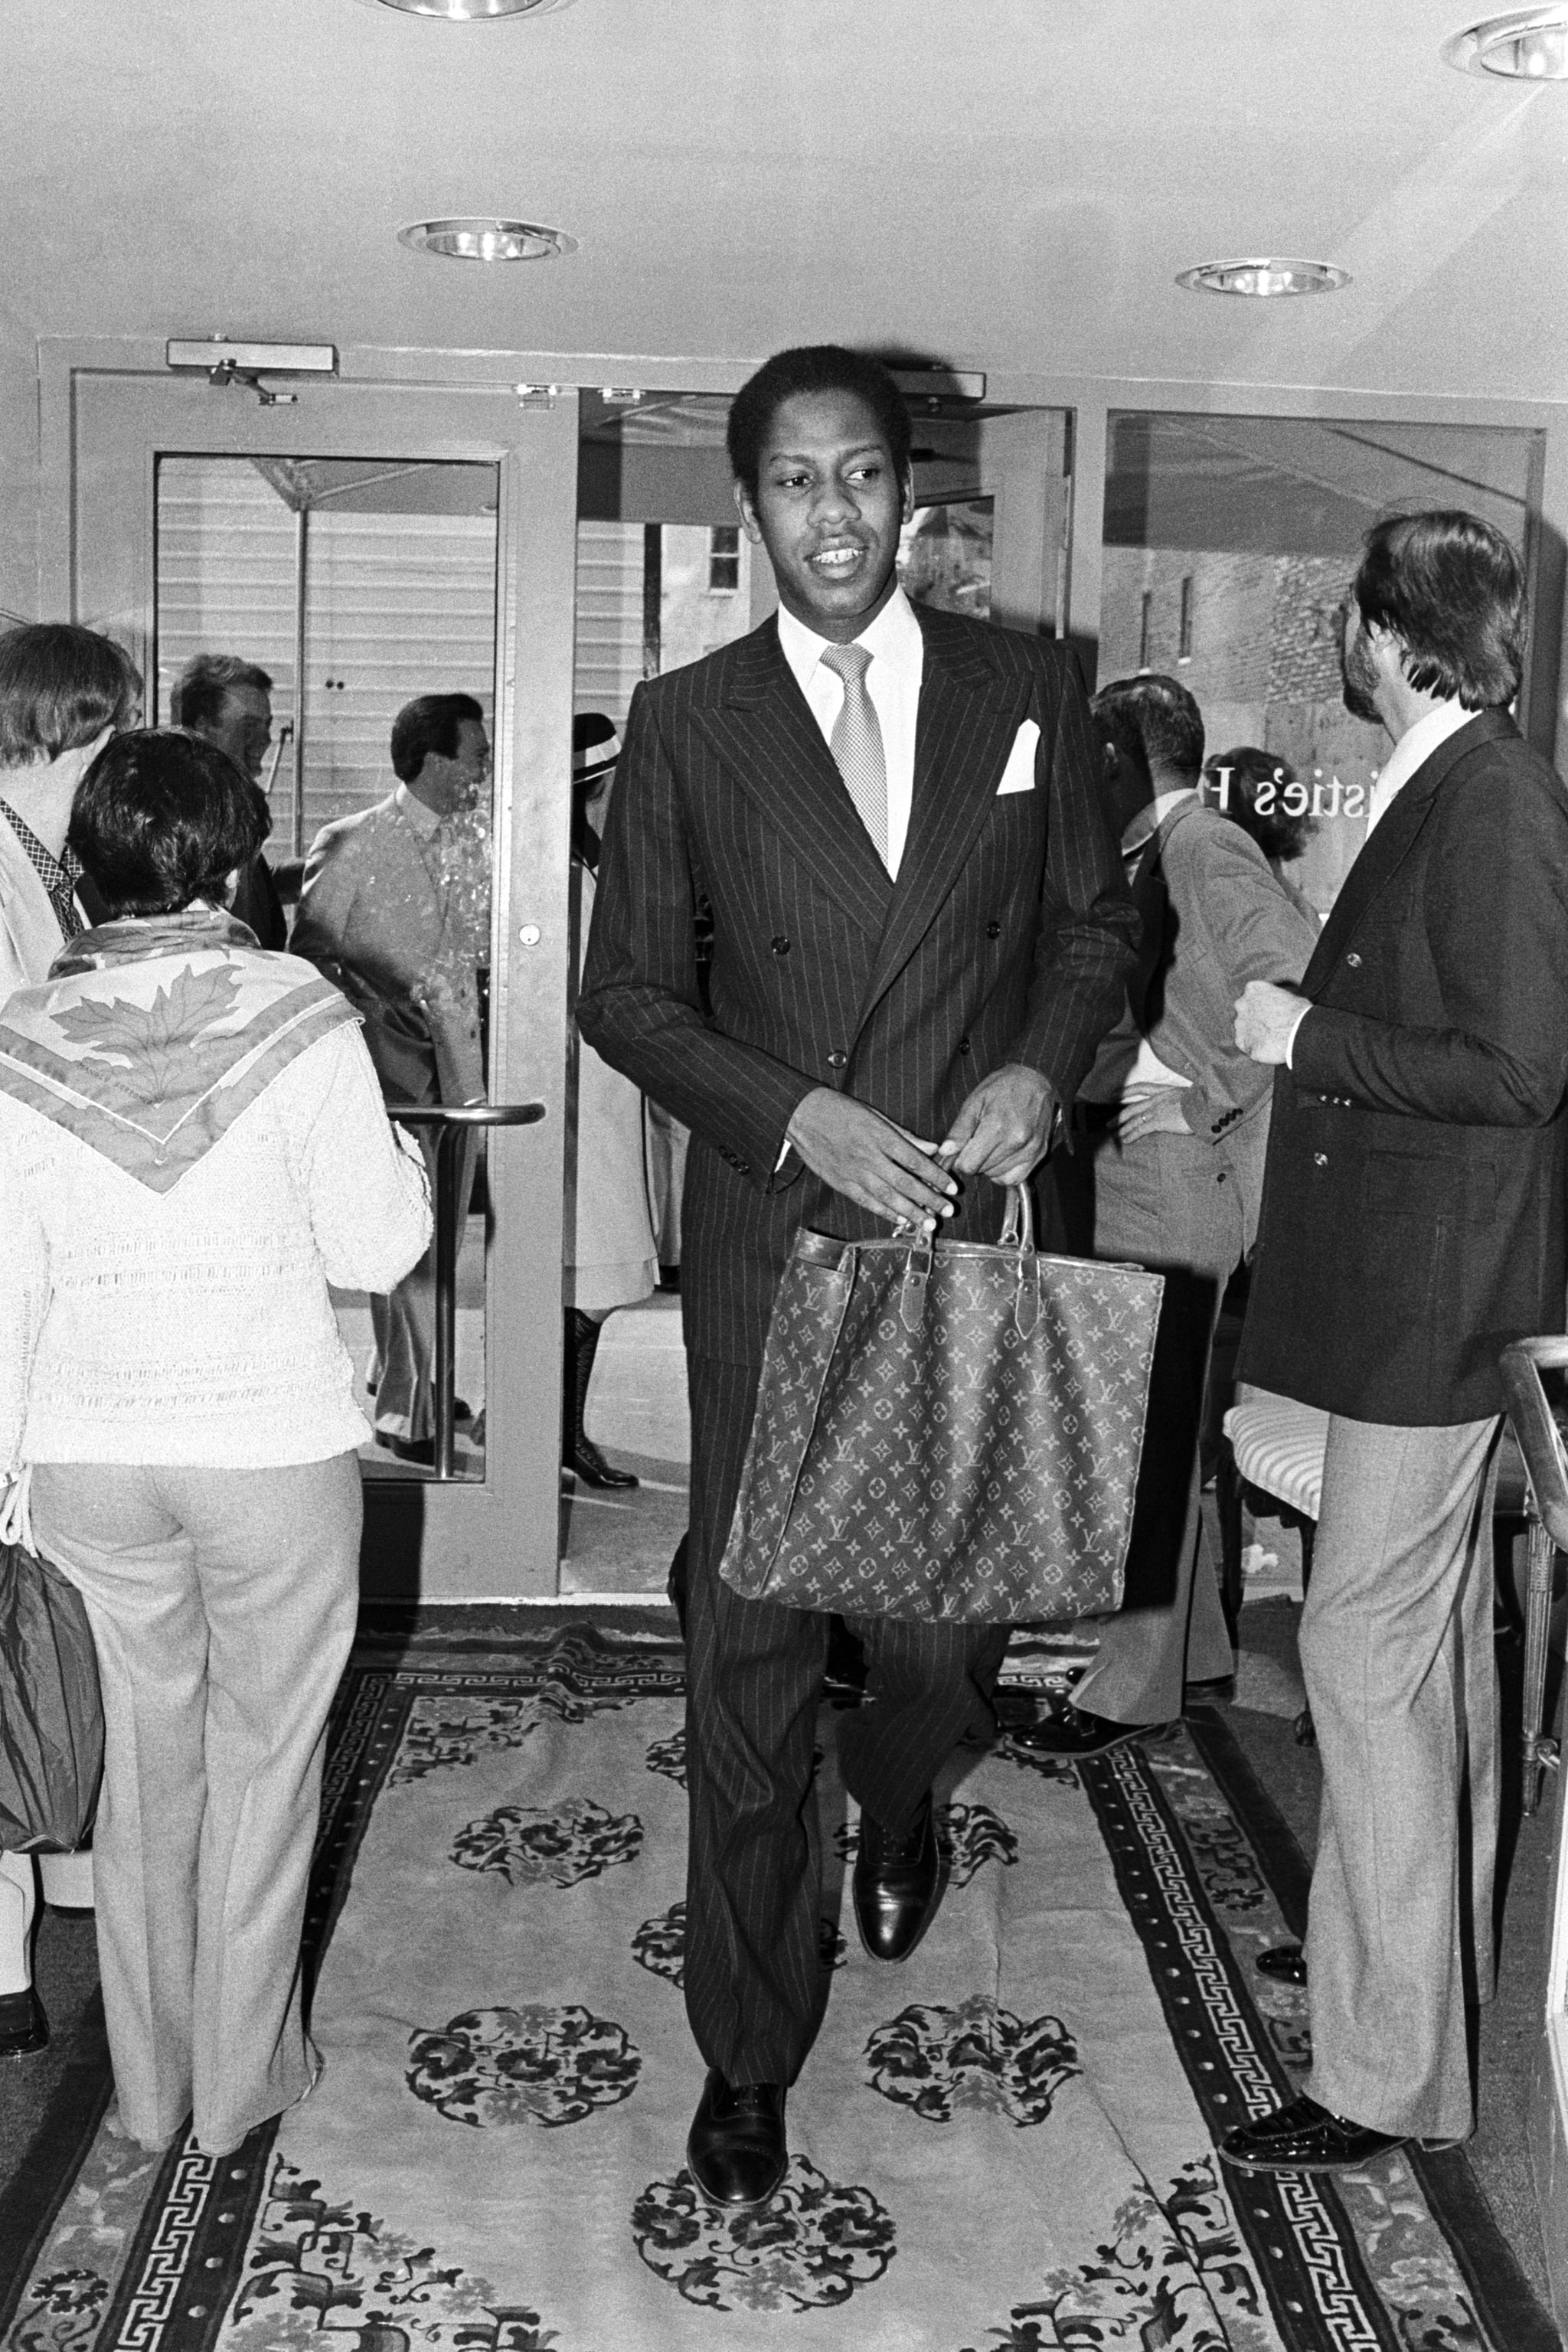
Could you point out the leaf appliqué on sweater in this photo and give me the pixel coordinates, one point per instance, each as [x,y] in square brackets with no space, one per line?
[145,1039]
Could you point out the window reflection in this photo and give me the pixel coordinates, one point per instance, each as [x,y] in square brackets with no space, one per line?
[358,589]
[1230,543]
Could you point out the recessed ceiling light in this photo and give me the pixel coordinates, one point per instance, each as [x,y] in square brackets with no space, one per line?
[1527,44]
[1264,277]
[486,240]
[467,12]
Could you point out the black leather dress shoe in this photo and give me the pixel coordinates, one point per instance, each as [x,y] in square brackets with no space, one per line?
[898,1883]
[23,2027]
[1286,1963]
[736,2148]
[1075,1731]
[585,1461]
[1305,2138]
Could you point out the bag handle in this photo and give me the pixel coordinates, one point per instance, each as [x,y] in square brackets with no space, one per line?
[1017,1233]
[1018,1219]
[1018,1228]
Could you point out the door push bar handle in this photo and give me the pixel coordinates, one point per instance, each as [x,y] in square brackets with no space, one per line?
[452,1122]
[1546,1472]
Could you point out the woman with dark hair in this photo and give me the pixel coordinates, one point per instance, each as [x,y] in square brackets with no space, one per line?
[1251,786]
[192,1147]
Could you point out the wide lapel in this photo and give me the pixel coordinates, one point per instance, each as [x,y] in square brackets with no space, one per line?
[1383,854]
[760,725]
[968,719]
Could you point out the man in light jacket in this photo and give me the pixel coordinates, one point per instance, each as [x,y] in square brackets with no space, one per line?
[395,912]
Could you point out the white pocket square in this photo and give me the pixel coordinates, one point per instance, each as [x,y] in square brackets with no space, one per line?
[1018,775]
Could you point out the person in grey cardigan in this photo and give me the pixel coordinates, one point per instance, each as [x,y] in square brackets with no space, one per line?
[1172,1127]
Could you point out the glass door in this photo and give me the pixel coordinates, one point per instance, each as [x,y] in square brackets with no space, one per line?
[364,546]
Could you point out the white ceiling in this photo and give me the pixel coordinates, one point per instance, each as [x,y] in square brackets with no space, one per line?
[1005,184]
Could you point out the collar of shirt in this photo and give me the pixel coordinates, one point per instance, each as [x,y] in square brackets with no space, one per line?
[1415,746]
[59,875]
[1148,820]
[423,819]
[897,649]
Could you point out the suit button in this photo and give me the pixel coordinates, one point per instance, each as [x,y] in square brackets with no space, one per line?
[963,1045]
[1320,1159]
[993,931]
[837,1061]
[779,944]
[1353,960]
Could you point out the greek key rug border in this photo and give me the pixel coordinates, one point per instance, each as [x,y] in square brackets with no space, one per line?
[1300,2238]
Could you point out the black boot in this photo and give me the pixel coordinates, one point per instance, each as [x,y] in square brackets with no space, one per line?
[578,1450]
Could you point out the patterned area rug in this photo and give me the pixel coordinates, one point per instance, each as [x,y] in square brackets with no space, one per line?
[1005,2146]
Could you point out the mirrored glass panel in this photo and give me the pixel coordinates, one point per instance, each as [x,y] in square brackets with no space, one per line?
[301,605]
[665,575]
[1230,542]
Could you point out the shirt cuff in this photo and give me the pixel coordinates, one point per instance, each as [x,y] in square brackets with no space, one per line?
[1291,1041]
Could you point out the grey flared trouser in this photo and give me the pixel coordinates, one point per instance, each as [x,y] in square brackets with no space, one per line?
[1396,1651]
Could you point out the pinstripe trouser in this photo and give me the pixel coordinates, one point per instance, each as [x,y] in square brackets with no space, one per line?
[755,1983]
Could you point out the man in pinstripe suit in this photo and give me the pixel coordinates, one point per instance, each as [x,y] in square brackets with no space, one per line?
[919,935]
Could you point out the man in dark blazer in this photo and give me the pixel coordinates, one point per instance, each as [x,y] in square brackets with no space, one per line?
[920,934]
[1413,1225]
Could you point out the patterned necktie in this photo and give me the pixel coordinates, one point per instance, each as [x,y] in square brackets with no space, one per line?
[856,743]
[59,875]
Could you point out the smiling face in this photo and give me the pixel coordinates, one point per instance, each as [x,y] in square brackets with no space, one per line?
[828,509]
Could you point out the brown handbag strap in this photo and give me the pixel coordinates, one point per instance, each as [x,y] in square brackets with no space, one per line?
[1017,1234]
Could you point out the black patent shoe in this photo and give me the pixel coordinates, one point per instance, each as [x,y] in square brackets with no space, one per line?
[1305,2138]
[898,1884]
[22,2025]
[1286,1963]
[736,2150]
[583,1459]
[1076,1732]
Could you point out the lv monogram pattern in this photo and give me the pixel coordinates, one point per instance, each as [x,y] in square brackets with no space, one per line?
[965,1449]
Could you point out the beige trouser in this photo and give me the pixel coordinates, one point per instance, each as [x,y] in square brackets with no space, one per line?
[222,1604]
[1396,1651]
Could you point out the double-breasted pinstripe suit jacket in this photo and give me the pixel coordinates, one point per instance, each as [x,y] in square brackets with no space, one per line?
[1006,936]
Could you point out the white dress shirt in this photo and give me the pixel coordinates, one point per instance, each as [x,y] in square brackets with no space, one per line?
[893,682]
[1414,746]
[423,818]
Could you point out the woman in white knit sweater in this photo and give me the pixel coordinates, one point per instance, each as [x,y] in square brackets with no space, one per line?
[192,1147]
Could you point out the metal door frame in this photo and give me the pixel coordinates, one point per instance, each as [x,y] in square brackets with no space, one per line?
[107,416]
